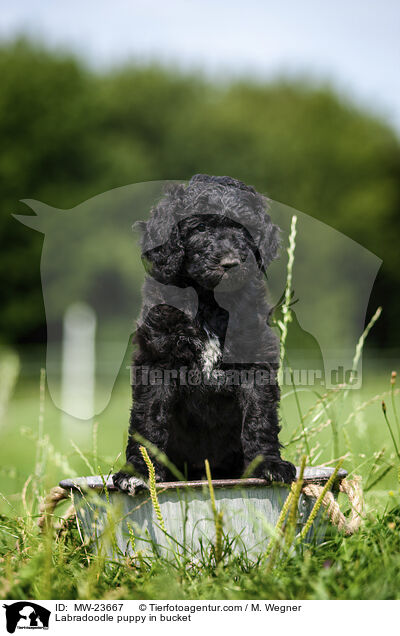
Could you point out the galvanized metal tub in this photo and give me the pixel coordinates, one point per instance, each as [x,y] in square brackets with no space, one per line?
[120,524]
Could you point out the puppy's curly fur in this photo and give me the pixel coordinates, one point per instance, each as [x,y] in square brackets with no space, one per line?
[213,236]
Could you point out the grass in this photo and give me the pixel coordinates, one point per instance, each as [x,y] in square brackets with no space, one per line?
[364,566]
[59,565]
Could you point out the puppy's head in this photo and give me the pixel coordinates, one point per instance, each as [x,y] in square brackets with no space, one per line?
[219,252]
[210,232]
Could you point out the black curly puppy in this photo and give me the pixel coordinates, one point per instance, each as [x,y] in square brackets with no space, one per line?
[205,381]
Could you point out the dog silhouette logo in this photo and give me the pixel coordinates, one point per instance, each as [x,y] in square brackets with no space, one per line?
[26,615]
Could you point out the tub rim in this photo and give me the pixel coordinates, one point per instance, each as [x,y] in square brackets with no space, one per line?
[312,475]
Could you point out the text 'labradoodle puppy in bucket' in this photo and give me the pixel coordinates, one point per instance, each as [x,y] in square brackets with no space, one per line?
[204,375]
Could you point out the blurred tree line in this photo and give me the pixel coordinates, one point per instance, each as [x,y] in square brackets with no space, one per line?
[67,133]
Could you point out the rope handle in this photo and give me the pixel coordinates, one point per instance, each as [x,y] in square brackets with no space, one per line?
[49,504]
[352,488]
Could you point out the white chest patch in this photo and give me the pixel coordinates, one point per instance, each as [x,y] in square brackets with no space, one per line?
[210,355]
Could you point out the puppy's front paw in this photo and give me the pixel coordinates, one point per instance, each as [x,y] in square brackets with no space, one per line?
[127,483]
[282,472]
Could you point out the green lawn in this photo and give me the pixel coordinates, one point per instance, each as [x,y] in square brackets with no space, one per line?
[365,565]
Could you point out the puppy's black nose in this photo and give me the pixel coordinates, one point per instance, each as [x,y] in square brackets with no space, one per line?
[229,261]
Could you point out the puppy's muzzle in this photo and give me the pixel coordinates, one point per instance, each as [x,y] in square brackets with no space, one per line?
[229,261]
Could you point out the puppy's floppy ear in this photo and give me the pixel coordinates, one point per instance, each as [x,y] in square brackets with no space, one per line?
[269,242]
[162,247]
[140,226]
[164,262]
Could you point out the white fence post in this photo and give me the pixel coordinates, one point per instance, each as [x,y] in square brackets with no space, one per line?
[78,369]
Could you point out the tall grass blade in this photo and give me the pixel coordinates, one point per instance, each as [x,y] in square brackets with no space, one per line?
[360,346]
[392,393]
[217,516]
[292,520]
[319,501]
[286,311]
[390,429]
[152,488]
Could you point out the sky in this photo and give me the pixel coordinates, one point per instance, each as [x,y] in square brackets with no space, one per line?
[353,44]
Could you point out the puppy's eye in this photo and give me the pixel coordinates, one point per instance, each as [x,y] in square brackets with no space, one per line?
[201,227]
